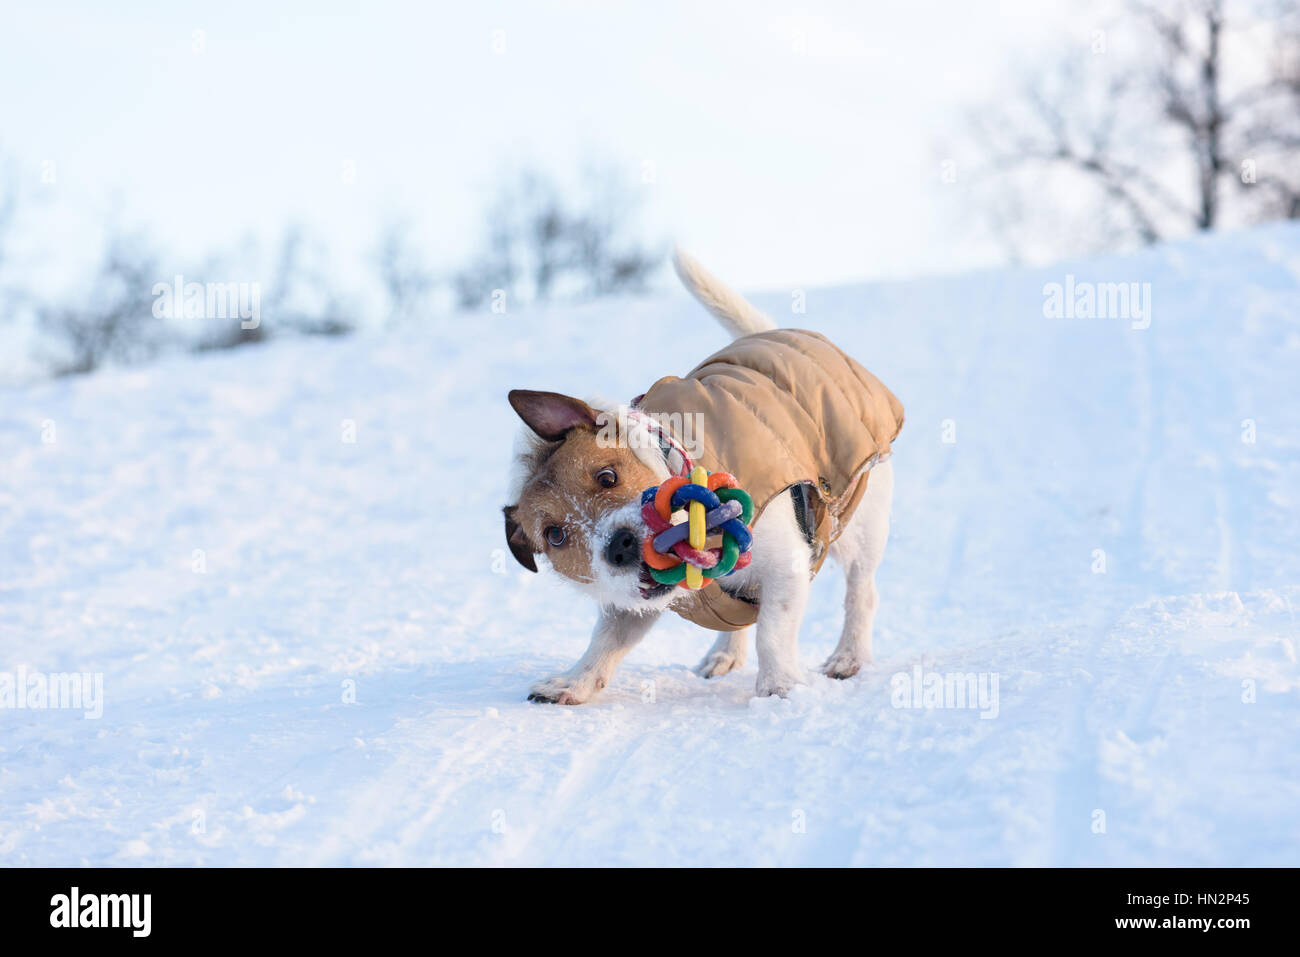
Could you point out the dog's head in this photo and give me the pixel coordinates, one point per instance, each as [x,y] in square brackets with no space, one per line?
[578,483]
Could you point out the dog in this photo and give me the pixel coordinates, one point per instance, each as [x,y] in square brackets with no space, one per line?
[801,425]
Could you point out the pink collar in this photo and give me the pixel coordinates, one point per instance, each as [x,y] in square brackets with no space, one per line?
[665,438]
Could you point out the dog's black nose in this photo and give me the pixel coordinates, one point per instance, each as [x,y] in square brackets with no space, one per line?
[624,548]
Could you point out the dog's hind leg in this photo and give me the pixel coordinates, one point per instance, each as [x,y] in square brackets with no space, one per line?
[859,549]
[616,633]
[727,654]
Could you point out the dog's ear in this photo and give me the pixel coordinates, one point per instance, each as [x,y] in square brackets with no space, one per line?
[518,541]
[550,414]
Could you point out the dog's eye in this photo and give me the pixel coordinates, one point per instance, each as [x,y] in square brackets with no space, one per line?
[555,536]
[607,478]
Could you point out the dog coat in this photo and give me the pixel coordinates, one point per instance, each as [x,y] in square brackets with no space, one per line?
[780,409]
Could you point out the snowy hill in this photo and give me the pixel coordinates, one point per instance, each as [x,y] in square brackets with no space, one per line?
[313,651]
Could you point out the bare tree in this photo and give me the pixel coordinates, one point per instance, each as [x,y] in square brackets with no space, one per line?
[115,318]
[408,283]
[611,260]
[1270,131]
[8,206]
[1188,82]
[1153,139]
[304,298]
[9,295]
[232,330]
[541,245]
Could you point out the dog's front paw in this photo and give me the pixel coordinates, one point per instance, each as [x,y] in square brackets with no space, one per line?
[565,689]
[843,664]
[716,664]
[777,683]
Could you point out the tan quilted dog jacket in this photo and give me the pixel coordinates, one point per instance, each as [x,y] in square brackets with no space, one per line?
[778,409]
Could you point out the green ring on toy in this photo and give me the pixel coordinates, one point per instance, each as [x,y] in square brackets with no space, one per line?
[670,576]
[730,555]
[741,496]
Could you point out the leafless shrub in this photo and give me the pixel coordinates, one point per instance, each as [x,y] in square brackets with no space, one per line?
[539,245]
[10,294]
[232,336]
[114,318]
[303,297]
[228,331]
[407,281]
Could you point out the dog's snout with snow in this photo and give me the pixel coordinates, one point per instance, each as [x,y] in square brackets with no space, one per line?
[623,550]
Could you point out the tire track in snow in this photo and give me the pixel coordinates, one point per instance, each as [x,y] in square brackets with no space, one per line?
[1078,787]
[587,777]
[375,807]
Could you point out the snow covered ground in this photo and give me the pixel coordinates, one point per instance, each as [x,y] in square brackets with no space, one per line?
[316,651]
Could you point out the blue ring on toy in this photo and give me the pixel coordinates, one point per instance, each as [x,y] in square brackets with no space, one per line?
[714,521]
[695,493]
[739,531]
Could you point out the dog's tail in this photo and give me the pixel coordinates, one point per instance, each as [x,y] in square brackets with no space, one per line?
[737,316]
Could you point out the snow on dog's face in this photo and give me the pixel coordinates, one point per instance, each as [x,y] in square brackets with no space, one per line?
[578,499]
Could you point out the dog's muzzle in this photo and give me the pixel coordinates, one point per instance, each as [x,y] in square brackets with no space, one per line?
[623,550]
[616,545]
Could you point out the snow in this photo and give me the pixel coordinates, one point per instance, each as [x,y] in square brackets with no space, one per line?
[287,563]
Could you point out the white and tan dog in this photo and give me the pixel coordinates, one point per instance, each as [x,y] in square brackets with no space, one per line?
[577,501]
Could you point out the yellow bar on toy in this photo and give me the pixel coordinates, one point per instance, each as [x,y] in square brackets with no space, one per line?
[698,532]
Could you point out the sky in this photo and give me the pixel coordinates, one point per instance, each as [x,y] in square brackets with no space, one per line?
[784,144]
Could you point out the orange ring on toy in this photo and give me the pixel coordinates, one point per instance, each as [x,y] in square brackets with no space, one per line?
[664,497]
[656,560]
[719,480]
